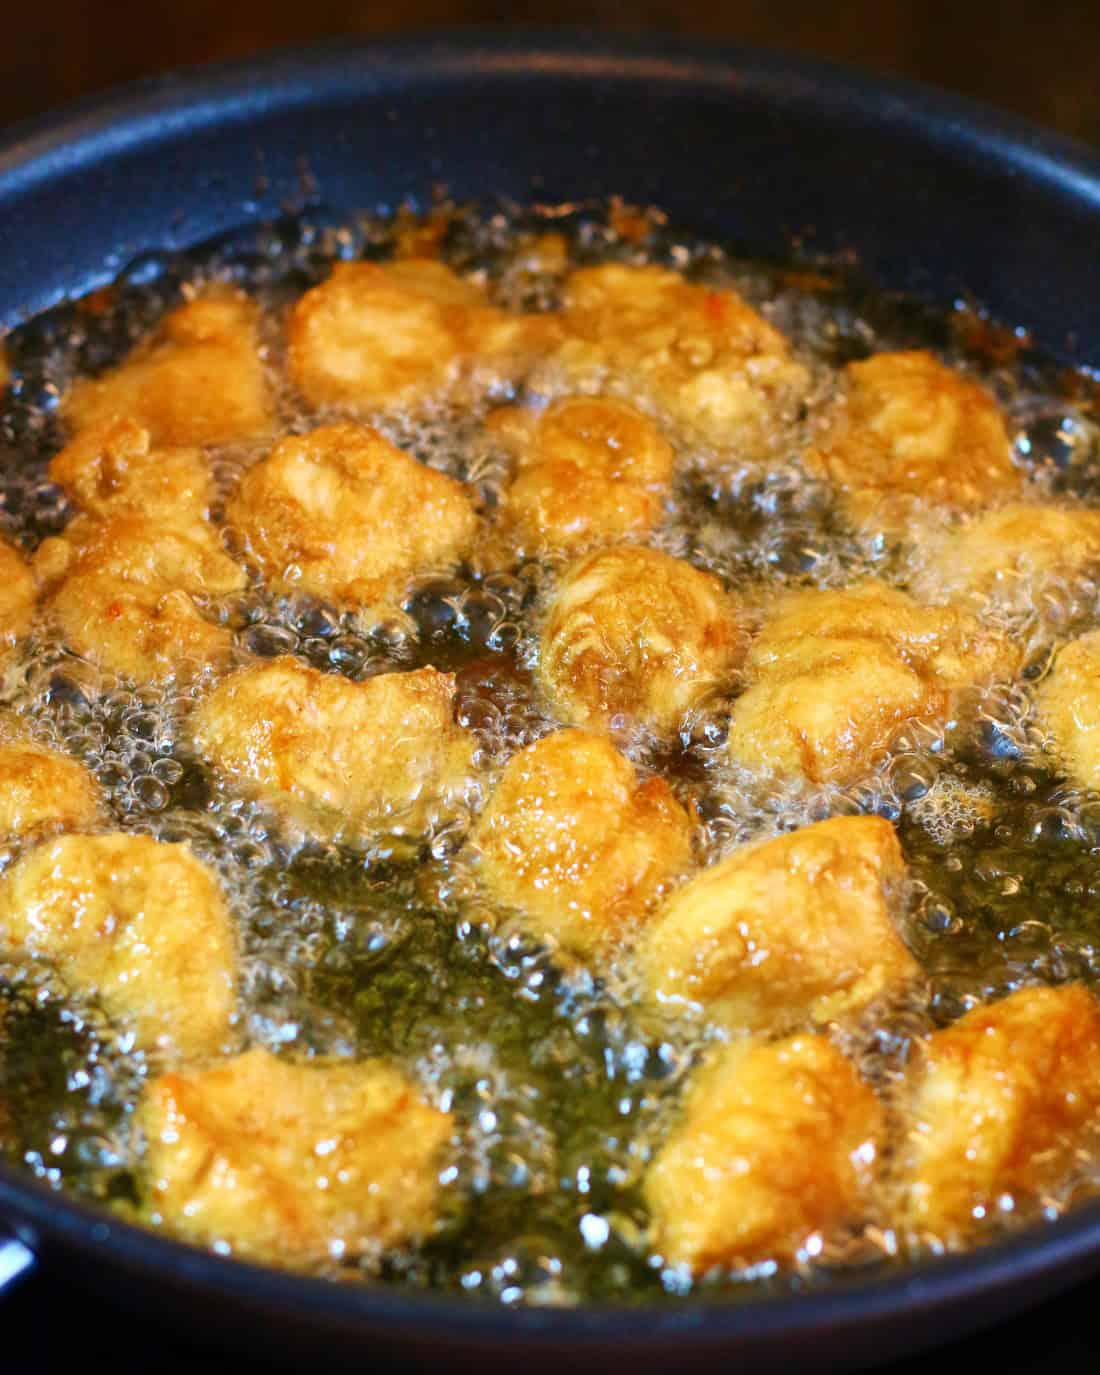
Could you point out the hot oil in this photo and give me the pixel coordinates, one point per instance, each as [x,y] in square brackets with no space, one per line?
[560,1092]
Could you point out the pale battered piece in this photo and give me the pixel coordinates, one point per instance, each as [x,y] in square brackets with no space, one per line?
[138,924]
[292,1164]
[700,358]
[635,636]
[908,436]
[588,470]
[344,760]
[834,673]
[1068,706]
[775,1148]
[783,931]
[574,842]
[1000,1105]
[42,790]
[377,335]
[198,380]
[344,515]
[17,596]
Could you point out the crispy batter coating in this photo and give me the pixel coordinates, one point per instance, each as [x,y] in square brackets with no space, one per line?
[292,1164]
[137,923]
[909,434]
[1068,706]
[784,930]
[198,380]
[702,359]
[775,1146]
[633,634]
[343,514]
[573,841]
[833,673]
[393,334]
[345,760]
[42,790]
[1000,1104]
[588,469]
[17,596]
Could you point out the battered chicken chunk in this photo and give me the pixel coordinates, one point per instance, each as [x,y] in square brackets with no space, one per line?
[909,434]
[784,930]
[138,924]
[41,789]
[702,359]
[17,596]
[198,380]
[393,334]
[1001,1102]
[587,469]
[1068,706]
[343,514]
[774,1147]
[344,760]
[292,1164]
[574,842]
[833,673]
[635,635]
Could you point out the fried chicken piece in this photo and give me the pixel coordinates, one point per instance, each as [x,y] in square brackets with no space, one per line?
[17,596]
[635,635]
[198,380]
[393,334]
[910,435]
[588,469]
[344,760]
[775,1146]
[1068,706]
[42,790]
[292,1164]
[137,923]
[579,846]
[833,673]
[700,358]
[343,514]
[1000,1104]
[784,930]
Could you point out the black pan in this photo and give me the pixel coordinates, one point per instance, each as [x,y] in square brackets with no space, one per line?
[930,195]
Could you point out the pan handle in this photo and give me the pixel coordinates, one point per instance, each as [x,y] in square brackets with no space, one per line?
[16,1261]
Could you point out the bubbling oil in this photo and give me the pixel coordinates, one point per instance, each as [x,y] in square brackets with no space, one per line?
[560,1092]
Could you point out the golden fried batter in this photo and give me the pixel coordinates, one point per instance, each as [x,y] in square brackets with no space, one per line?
[42,790]
[1068,706]
[1000,1102]
[703,359]
[198,380]
[834,672]
[345,760]
[17,595]
[573,841]
[774,1147]
[396,333]
[633,634]
[138,924]
[588,469]
[783,930]
[909,434]
[343,514]
[292,1164]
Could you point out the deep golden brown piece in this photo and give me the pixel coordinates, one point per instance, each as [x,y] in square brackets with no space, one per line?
[198,380]
[344,760]
[1068,706]
[775,1146]
[17,596]
[139,925]
[574,842]
[702,359]
[633,635]
[292,1164]
[343,514]
[834,673]
[394,334]
[909,435]
[783,931]
[1001,1103]
[588,470]
[42,790]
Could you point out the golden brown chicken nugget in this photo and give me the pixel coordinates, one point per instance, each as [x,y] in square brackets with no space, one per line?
[292,1164]
[17,595]
[774,1148]
[578,845]
[138,924]
[1068,706]
[42,790]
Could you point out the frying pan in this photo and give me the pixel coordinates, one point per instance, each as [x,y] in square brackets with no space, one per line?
[929,194]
